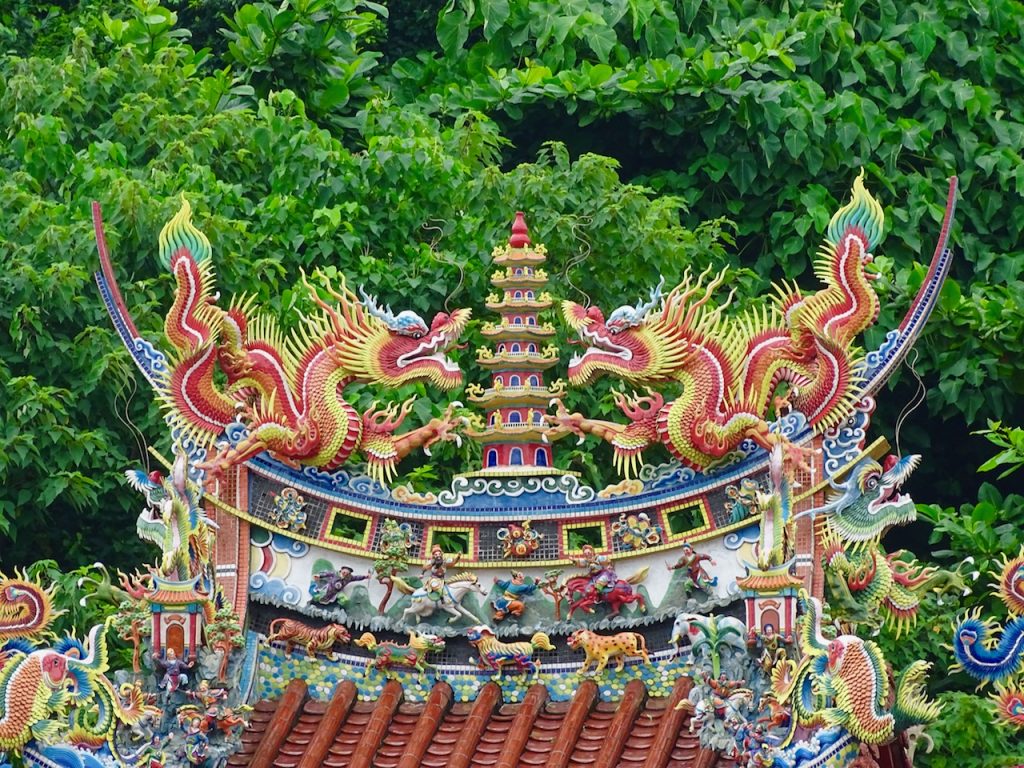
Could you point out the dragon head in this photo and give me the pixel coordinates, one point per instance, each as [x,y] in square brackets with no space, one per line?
[869,502]
[621,346]
[648,342]
[54,668]
[378,346]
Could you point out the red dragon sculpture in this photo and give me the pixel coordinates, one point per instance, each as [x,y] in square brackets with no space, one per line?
[288,387]
[730,369]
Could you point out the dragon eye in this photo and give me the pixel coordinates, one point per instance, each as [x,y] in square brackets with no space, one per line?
[417,335]
[872,482]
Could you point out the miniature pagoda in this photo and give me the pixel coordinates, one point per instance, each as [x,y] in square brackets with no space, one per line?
[513,433]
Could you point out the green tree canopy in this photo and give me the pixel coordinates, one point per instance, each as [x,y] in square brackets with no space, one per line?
[393,142]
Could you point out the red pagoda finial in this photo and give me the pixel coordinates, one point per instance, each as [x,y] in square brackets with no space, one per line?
[520,234]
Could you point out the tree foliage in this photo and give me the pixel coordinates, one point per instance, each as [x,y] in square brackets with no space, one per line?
[392,142]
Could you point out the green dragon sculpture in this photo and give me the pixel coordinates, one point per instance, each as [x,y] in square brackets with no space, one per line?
[867,585]
[174,520]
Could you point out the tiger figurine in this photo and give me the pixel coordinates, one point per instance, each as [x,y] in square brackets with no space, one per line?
[601,649]
[313,639]
[496,655]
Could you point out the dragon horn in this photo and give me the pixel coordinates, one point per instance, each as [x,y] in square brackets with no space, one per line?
[385,315]
[642,309]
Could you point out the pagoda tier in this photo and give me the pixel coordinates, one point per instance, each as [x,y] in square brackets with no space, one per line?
[514,331]
[517,277]
[525,396]
[513,430]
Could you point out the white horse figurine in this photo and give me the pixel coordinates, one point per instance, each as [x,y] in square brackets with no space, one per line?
[454,590]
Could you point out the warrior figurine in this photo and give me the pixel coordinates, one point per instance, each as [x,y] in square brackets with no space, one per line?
[438,566]
[329,587]
[514,591]
[721,690]
[691,560]
[206,696]
[770,644]
[197,743]
[599,569]
[174,669]
[763,758]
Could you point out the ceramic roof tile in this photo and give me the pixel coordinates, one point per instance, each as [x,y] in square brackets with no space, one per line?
[635,732]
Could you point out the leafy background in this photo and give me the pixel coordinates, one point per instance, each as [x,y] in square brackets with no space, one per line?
[392,142]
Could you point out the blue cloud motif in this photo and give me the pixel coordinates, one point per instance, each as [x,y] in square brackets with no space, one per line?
[282,543]
[259,584]
[737,539]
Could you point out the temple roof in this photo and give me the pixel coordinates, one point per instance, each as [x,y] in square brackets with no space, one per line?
[170,592]
[637,731]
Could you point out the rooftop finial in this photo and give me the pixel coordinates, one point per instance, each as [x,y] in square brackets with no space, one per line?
[520,234]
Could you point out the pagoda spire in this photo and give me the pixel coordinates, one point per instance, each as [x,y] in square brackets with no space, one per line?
[520,237]
[512,431]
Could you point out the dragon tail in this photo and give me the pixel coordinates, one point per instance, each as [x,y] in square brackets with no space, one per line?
[187,390]
[912,706]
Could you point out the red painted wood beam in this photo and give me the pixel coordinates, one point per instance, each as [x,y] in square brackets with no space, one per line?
[426,726]
[377,727]
[672,722]
[280,724]
[630,706]
[572,725]
[535,698]
[486,700]
[337,710]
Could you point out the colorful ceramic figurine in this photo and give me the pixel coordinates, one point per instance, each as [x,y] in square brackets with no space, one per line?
[313,639]
[175,670]
[289,510]
[768,643]
[388,654]
[328,587]
[637,531]
[518,540]
[601,585]
[867,585]
[850,684]
[446,596]
[514,592]
[437,566]
[197,743]
[497,655]
[805,340]
[600,649]
[291,384]
[993,654]
[691,560]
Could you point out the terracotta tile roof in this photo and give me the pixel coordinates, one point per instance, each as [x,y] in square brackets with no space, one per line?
[635,732]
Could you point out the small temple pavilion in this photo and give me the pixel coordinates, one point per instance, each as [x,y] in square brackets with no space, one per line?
[512,434]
